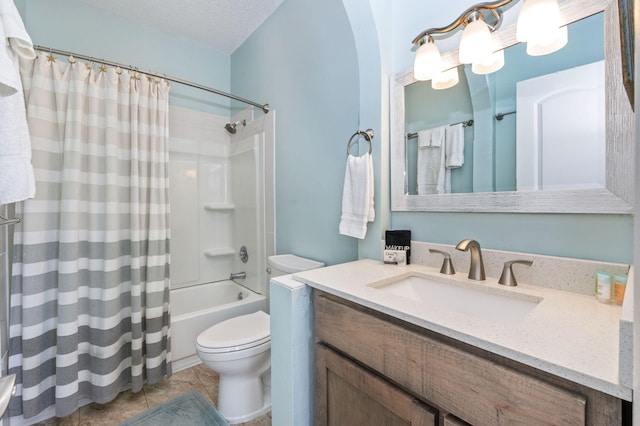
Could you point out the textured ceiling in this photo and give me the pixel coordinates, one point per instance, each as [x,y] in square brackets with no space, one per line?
[220,24]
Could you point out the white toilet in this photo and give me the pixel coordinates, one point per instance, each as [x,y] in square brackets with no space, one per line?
[238,349]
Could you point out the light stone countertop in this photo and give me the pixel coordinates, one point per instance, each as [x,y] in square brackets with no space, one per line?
[567,334]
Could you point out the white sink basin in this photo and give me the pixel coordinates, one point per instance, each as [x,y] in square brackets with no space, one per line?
[472,299]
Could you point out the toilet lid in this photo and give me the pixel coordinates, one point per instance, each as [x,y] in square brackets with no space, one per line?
[246,330]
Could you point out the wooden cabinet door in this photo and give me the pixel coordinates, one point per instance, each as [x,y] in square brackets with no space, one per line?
[347,394]
[451,420]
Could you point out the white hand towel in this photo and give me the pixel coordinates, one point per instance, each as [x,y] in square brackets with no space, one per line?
[424,138]
[454,145]
[17,181]
[438,135]
[431,170]
[15,42]
[357,196]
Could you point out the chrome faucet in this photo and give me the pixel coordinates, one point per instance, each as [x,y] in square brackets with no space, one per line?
[238,276]
[476,269]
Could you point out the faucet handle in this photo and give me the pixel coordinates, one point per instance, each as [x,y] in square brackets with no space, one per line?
[508,278]
[447,265]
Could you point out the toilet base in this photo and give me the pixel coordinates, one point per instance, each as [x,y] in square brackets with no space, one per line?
[266,407]
[234,409]
[247,417]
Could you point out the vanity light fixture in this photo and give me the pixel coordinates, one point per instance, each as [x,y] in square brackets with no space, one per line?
[428,62]
[445,79]
[476,44]
[538,25]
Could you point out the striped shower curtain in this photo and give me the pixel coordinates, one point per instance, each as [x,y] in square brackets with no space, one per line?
[89,309]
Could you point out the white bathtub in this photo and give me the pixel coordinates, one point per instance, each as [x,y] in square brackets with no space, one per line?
[196,308]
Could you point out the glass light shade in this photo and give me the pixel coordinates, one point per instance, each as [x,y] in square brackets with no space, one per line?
[561,38]
[497,62]
[445,79]
[476,44]
[537,22]
[428,62]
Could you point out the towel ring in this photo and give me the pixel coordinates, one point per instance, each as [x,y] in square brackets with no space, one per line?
[368,135]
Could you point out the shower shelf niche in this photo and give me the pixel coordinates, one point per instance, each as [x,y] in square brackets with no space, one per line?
[214,207]
[219,252]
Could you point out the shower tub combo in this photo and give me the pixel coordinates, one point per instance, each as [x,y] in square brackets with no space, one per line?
[219,190]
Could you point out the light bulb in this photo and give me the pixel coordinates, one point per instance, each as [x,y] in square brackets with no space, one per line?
[476,44]
[428,61]
[557,43]
[445,79]
[538,21]
[496,62]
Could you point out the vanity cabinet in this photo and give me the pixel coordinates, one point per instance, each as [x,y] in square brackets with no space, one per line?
[371,367]
[356,396]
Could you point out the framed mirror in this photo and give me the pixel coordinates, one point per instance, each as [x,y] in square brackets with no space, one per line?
[497,175]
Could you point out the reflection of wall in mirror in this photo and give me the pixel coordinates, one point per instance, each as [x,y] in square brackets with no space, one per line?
[428,108]
[586,45]
[561,130]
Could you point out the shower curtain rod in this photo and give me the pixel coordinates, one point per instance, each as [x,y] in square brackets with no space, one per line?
[263,107]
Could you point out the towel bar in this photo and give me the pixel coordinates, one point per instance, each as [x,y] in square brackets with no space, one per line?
[467,123]
[5,221]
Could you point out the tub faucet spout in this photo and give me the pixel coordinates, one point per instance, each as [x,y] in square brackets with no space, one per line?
[238,276]
[476,269]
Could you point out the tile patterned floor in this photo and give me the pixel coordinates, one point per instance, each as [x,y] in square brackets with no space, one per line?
[129,404]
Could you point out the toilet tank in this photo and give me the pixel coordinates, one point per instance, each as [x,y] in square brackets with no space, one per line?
[283,264]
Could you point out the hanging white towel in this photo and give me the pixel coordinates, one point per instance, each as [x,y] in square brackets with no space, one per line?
[424,138]
[437,136]
[454,144]
[17,181]
[357,196]
[431,163]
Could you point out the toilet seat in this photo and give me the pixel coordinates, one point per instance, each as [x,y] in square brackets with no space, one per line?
[236,334]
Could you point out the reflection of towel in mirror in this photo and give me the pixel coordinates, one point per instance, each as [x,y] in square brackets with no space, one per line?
[431,162]
[17,181]
[454,146]
[424,138]
[357,196]
[454,152]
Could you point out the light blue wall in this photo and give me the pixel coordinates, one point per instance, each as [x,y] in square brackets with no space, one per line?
[599,237]
[602,237]
[371,31]
[303,62]
[75,26]
[318,112]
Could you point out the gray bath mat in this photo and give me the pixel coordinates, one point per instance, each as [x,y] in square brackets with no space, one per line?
[189,409]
